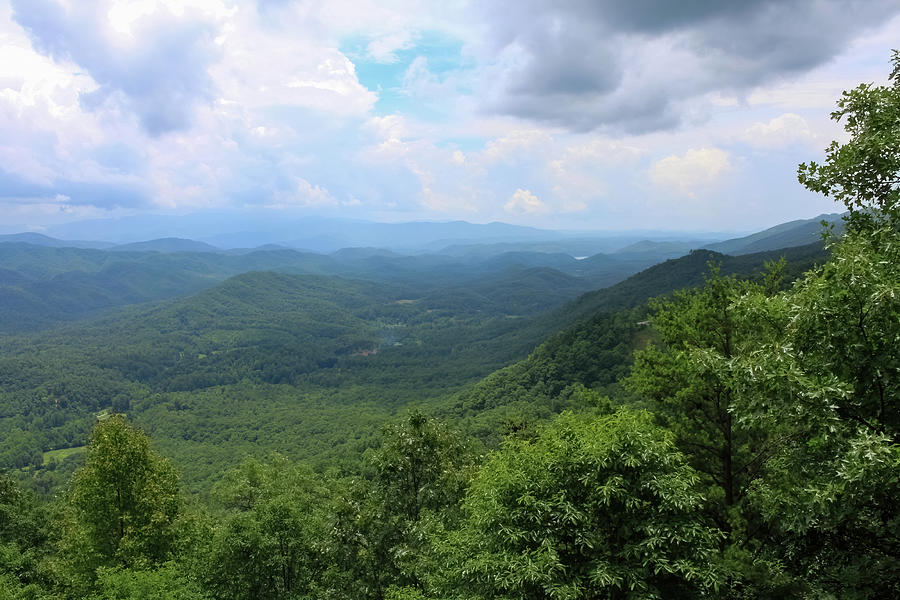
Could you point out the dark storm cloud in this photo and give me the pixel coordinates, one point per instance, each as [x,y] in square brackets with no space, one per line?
[658,16]
[636,66]
[160,77]
[642,113]
[571,62]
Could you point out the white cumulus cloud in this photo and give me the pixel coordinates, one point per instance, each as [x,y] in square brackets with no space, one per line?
[303,194]
[516,142]
[524,202]
[696,169]
[784,130]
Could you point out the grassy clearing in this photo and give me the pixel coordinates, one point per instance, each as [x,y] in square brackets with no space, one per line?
[61,454]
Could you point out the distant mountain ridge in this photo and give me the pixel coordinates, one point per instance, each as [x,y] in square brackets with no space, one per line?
[233,232]
[786,235]
[39,239]
[691,270]
[674,249]
[166,245]
[45,281]
[318,234]
[41,286]
[218,347]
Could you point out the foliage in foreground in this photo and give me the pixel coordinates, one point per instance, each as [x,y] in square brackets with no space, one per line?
[595,507]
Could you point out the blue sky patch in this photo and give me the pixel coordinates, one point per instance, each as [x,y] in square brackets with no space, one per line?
[443,53]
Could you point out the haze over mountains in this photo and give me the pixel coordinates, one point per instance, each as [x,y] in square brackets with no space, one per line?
[198,322]
[495,267]
[229,231]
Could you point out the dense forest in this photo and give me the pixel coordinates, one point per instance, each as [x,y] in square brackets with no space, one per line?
[713,426]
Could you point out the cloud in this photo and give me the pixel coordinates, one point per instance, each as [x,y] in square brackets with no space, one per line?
[581,172]
[390,139]
[264,66]
[383,49]
[227,116]
[66,192]
[603,151]
[418,78]
[695,170]
[302,194]
[645,65]
[523,202]
[154,65]
[782,131]
[419,111]
[516,143]
[51,149]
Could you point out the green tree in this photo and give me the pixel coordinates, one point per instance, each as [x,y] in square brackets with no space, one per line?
[828,379]
[420,474]
[828,385]
[23,539]
[864,172]
[385,526]
[693,378]
[593,508]
[689,378]
[274,538]
[123,503]
[165,583]
[420,466]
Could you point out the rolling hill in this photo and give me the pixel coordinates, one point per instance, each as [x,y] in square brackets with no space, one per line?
[309,364]
[166,245]
[786,235]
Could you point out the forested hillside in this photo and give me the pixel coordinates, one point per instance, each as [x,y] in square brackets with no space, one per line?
[309,365]
[712,427]
[41,286]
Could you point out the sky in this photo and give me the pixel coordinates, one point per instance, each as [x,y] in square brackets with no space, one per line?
[566,114]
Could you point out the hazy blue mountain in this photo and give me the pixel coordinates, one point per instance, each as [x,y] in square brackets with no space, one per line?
[350,254]
[263,248]
[456,238]
[126,230]
[585,246]
[166,245]
[517,291]
[556,260]
[41,285]
[691,270]
[786,235]
[332,234]
[299,357]
[8,277]
[668,249]
[39,239]
[320,234]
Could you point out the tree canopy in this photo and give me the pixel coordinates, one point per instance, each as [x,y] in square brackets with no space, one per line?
[123,503]
[601,507]
[864,172]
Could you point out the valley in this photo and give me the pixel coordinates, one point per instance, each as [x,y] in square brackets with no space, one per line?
[307,354]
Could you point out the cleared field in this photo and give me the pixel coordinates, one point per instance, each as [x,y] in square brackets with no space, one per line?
[61,454]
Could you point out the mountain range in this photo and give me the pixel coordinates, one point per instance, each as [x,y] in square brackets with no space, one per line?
[237,233]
